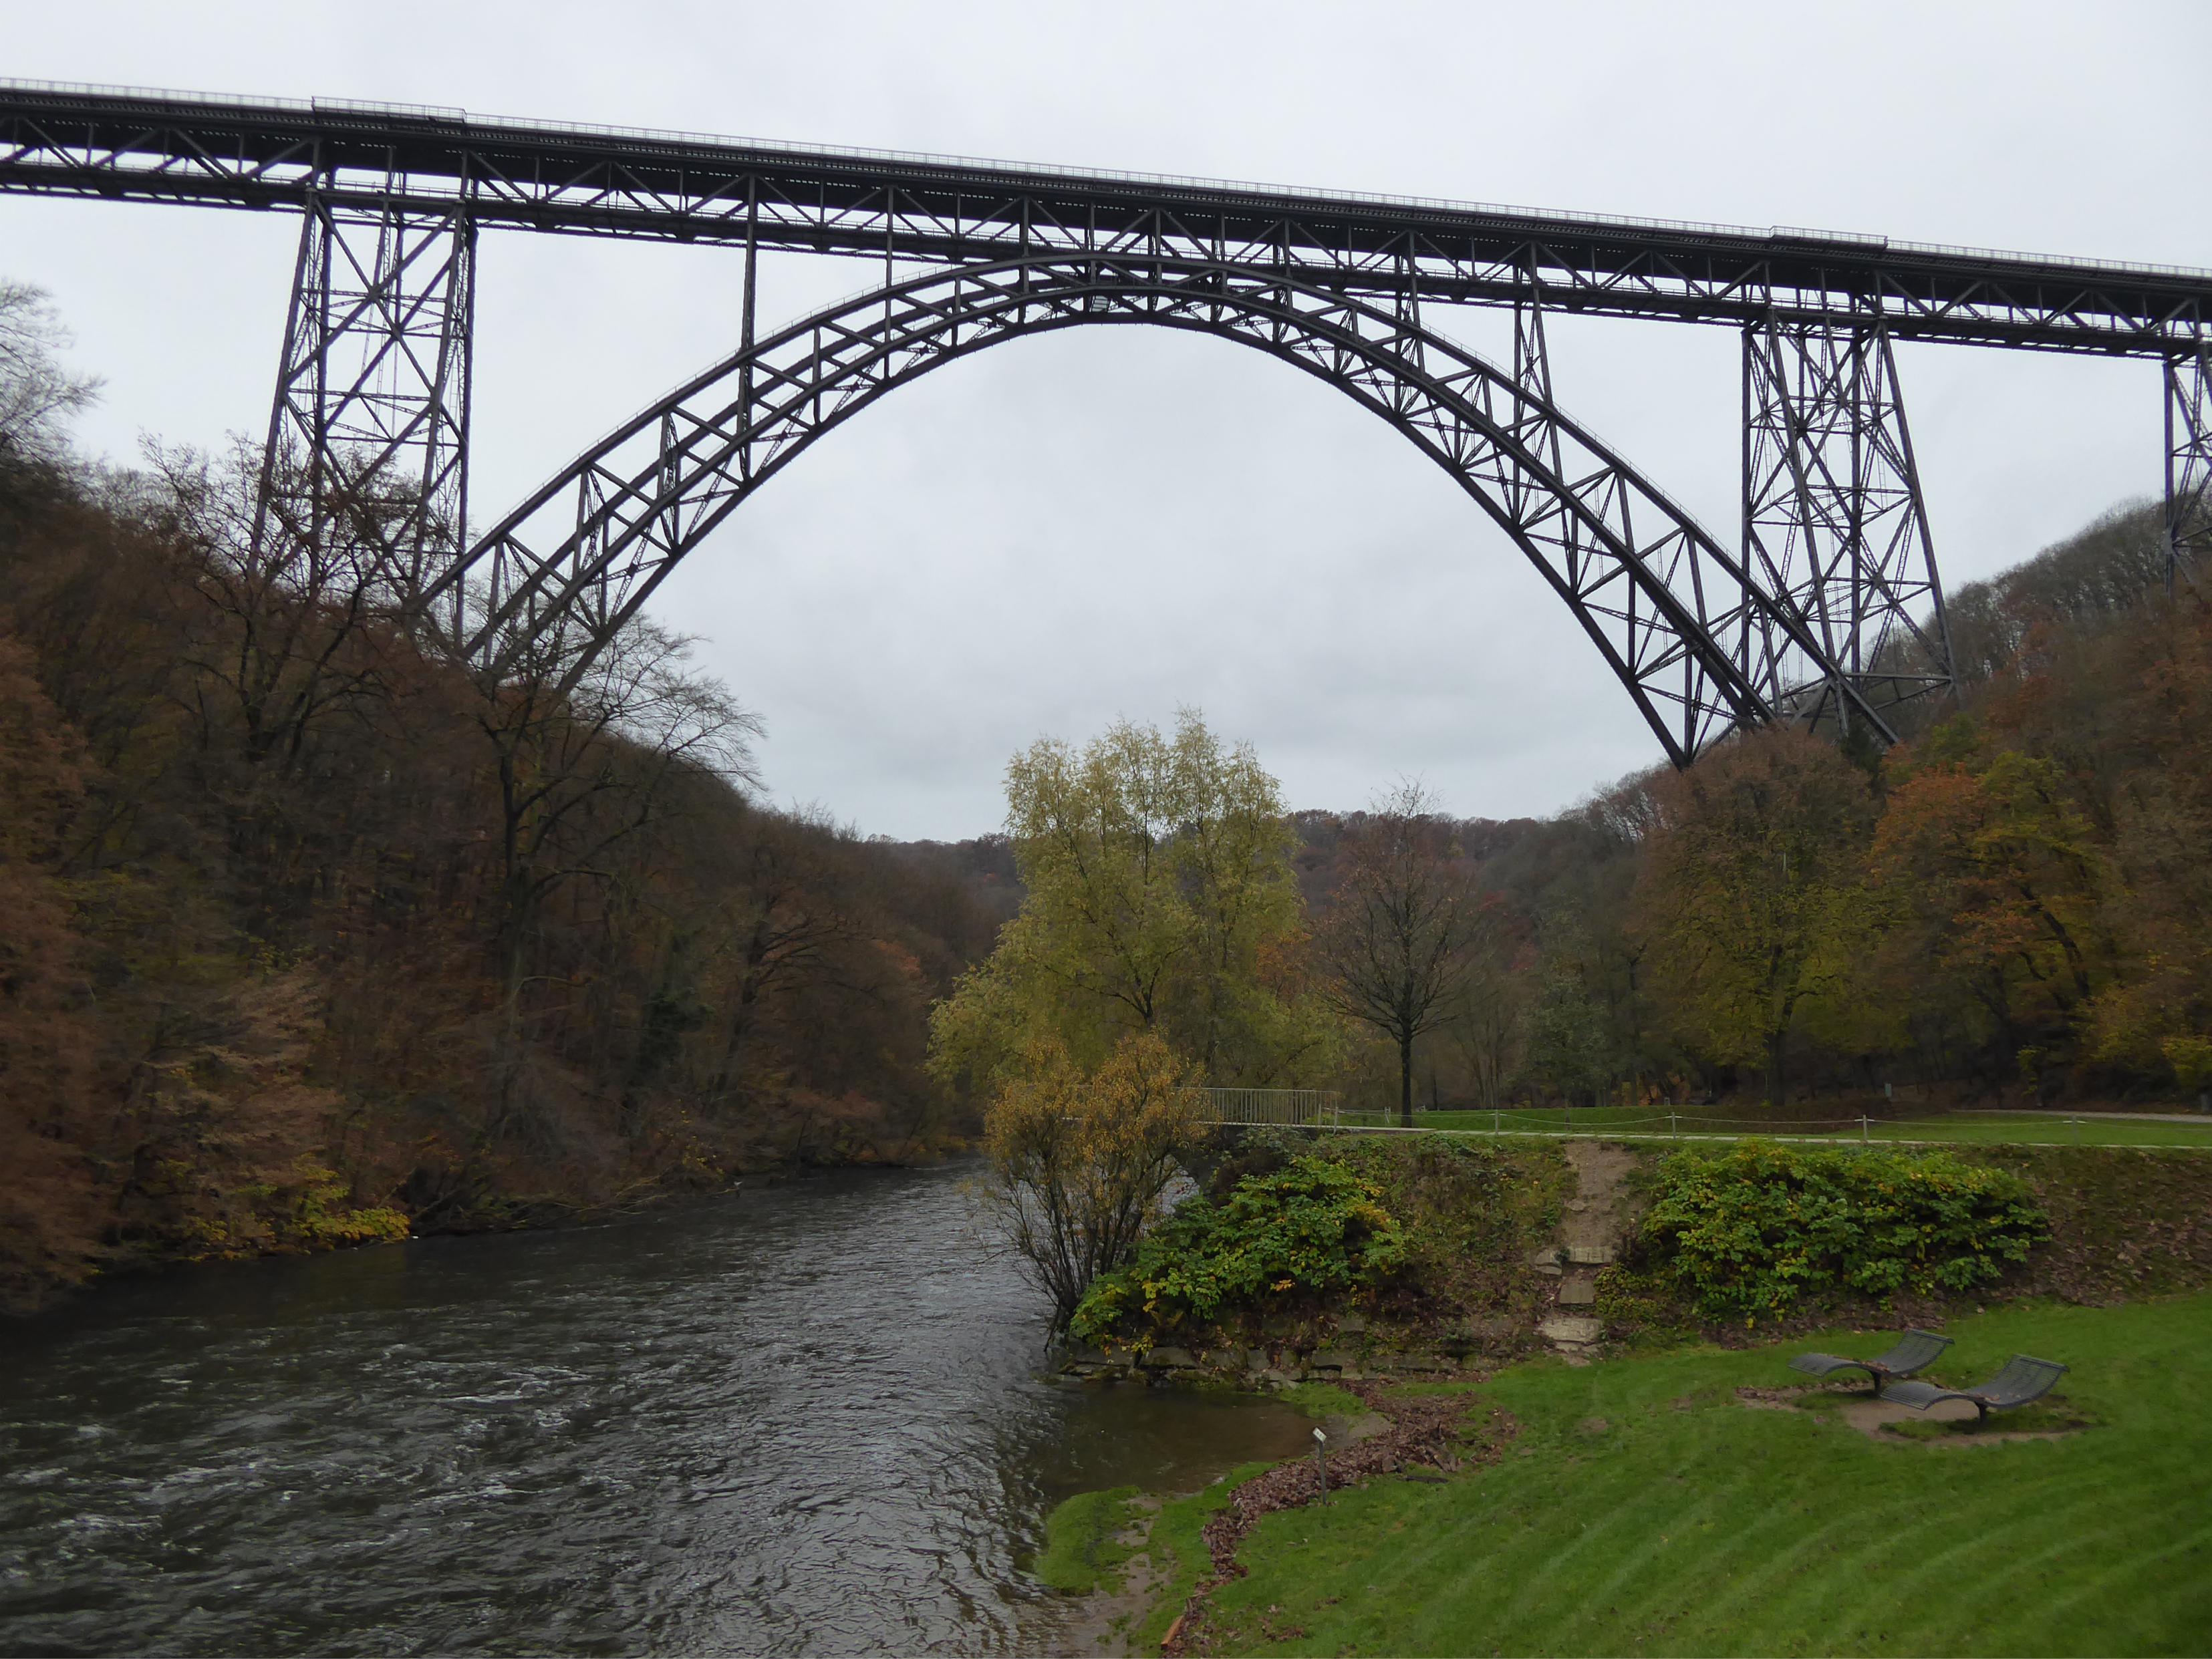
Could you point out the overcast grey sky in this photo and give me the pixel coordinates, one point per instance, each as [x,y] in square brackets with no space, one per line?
[1120,521]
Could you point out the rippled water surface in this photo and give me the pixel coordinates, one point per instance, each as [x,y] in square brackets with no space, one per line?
[806,1419]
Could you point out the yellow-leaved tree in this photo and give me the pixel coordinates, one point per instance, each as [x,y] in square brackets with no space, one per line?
[1079,1159]
[1158,897]
[1160,947]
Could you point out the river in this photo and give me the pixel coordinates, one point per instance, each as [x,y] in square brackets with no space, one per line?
[808,1419]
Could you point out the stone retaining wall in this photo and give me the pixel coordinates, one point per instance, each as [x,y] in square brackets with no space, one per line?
[1352,1353]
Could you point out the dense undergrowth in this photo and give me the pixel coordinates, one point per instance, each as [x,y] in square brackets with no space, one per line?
[1429,1240]
[1758,1237]
[1312,1229]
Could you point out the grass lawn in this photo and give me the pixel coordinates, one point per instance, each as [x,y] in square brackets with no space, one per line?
[1082,1541]
[2048,1129]
[1644,1510]
[1991,1128]
[1177,1546]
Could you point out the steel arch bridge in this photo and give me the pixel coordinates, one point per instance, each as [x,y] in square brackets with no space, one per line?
[1830,611]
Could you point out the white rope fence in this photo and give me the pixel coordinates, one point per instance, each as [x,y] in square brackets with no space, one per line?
[1324,1108]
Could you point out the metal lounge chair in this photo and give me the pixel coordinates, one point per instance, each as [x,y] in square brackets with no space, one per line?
[1914,1352]
[2024,1379]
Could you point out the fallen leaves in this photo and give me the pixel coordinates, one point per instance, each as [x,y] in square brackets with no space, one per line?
[1427,1430]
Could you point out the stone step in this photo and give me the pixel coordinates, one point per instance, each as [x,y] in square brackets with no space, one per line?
[1388,1362]
[1580,1294]
[1579,1333]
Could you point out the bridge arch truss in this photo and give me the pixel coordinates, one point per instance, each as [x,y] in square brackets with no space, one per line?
[1699,645]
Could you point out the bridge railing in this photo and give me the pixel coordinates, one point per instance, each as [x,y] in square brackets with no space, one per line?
[1315,1107]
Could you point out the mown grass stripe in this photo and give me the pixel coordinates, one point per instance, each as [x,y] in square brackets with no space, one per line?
[1786,1533]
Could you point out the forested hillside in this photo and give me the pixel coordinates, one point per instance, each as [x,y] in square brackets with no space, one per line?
[2016,903]
[313,935]
[310,936]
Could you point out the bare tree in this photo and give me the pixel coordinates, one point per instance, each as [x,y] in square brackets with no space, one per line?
[1399,931]
[790,913]
[37,394]
[578,772]
[1485,1023]
[298,614]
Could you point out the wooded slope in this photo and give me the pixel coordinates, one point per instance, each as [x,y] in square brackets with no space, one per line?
[310,936]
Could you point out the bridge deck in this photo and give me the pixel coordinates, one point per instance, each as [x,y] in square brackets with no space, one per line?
[551,176]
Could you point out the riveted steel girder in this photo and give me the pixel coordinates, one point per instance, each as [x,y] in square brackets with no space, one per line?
[1836,571]
[560,177]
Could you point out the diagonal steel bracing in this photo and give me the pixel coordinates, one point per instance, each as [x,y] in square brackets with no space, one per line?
[2189,465]
[372,403]
[1833,521]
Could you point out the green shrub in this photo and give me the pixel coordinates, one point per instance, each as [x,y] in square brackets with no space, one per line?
[323,1216]
[1750,1232]
[1312,1225]
[1471,1213]
[1639,1304]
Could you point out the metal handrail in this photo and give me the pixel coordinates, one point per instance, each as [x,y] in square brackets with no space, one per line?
[1313,1108]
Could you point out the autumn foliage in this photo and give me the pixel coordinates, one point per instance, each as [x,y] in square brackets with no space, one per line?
[311,936]
[1747,892]
[1080,1157]
[2012,904]
[311,933]
[2012,907]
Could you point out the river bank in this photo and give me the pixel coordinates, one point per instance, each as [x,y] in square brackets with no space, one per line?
[1517,1245]
[315,1215]
[818,1417]
[1136,1562]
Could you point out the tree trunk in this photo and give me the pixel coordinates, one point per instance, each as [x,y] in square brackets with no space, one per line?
[1776,1044]
[726,1072]
[1405,1080]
